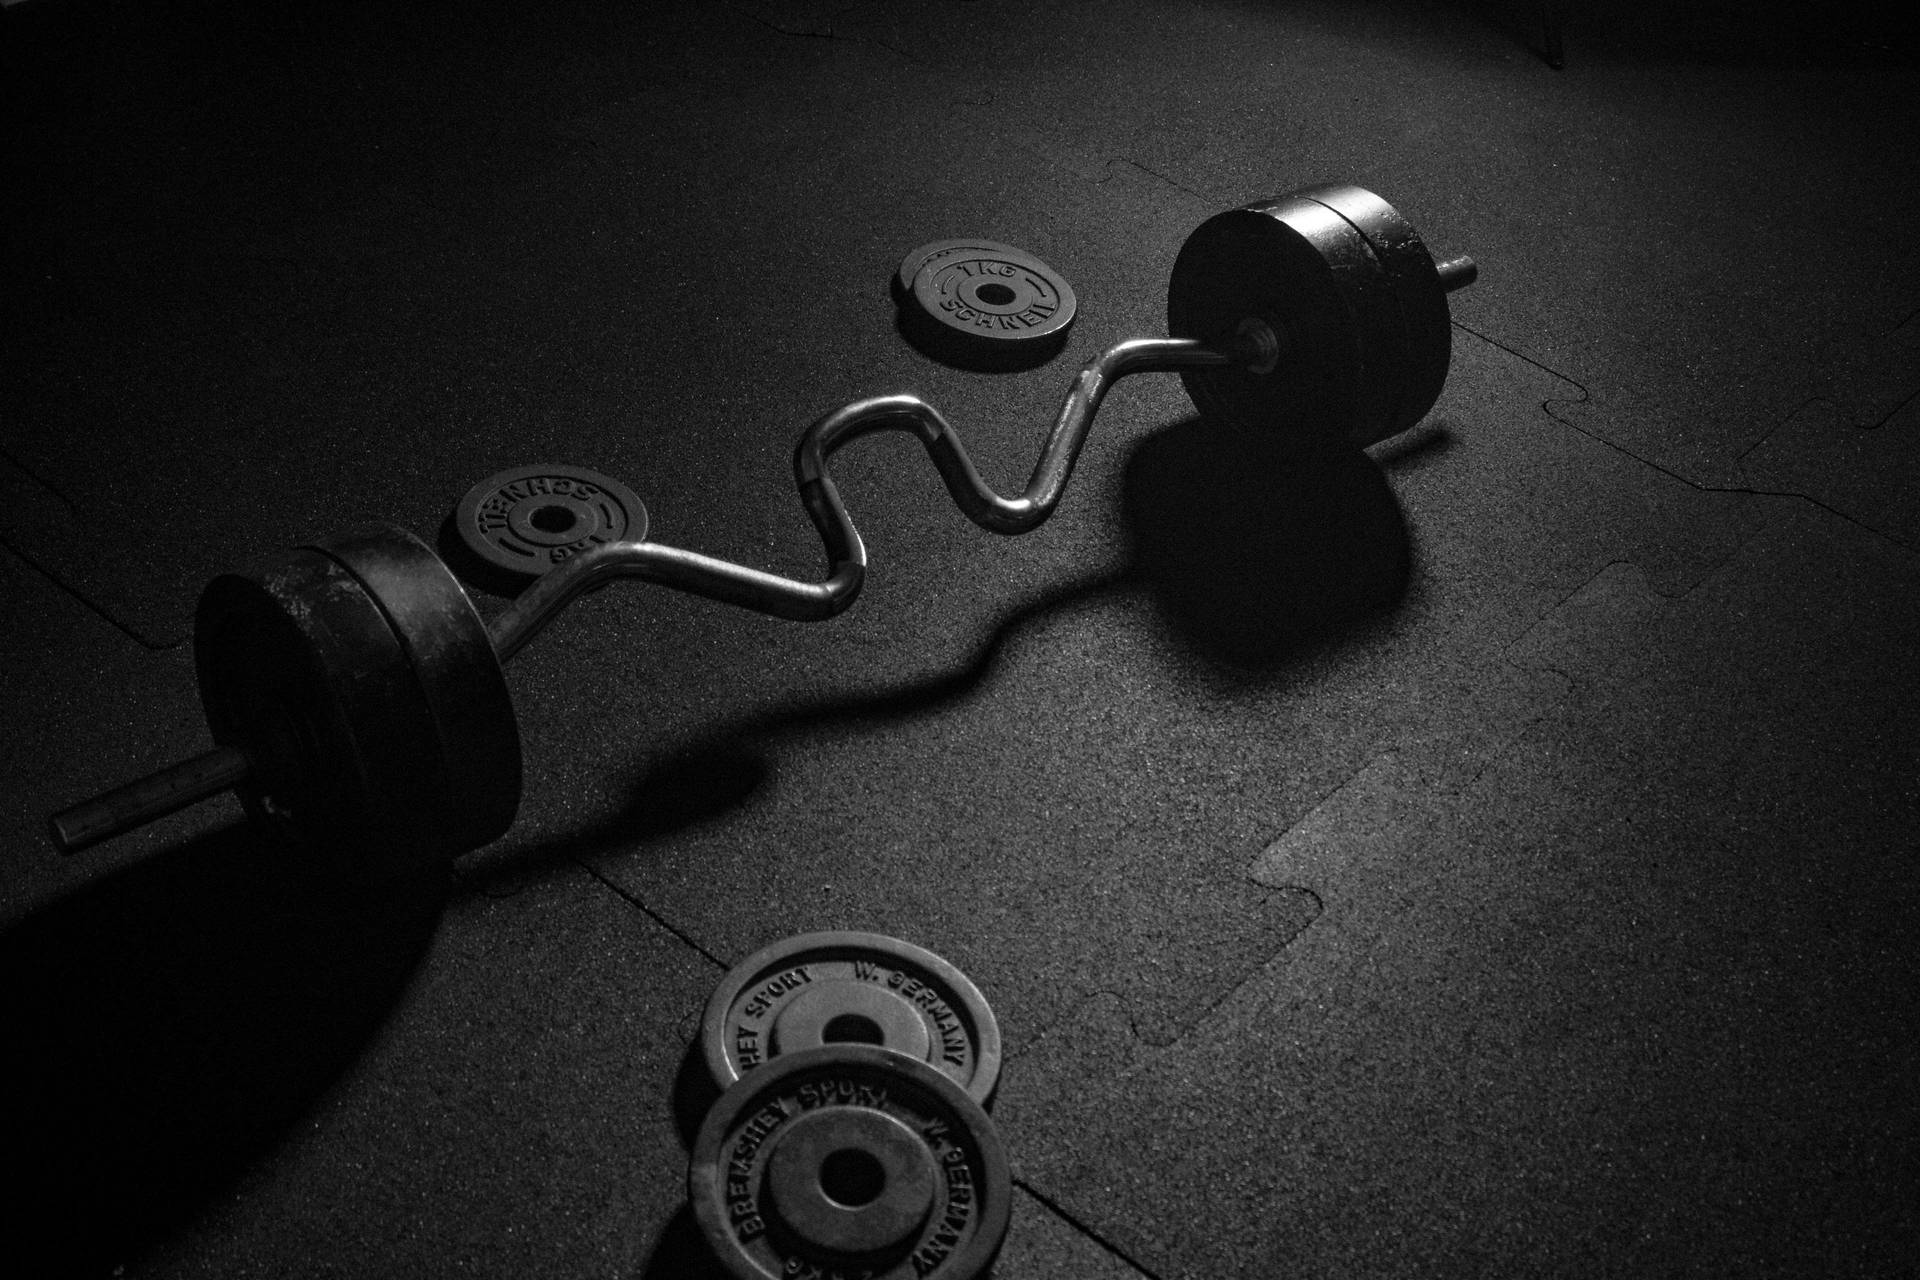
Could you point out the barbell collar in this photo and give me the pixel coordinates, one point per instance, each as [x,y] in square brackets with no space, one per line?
[148,799]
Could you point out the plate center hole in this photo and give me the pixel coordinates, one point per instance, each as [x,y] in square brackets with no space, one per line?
[852,1028]
[995,295]
[852,1177]
[551,519]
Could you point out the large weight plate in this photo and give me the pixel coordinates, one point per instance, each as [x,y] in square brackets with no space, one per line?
[453,663]
[851,987]
[363,690]
[1409,266]
[301,671]
[1308,274]
[520,523]
[848,1160]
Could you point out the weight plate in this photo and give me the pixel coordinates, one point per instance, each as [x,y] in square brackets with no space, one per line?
[301,671]
[366,696]
[523,522]
[850,1160]
[1428,322]
[458,674]
[985,309]
[1304,271]
[849,987]
[943,249]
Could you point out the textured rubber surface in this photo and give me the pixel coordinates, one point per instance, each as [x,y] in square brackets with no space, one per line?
[1506,820]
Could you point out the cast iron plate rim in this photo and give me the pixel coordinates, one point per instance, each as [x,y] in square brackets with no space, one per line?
[918,258]
[993,1185]
[982,1026]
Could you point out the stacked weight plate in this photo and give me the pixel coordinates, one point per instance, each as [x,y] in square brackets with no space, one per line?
[851,1134]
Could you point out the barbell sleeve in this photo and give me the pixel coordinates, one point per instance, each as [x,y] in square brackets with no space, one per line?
[148,799]
[1457,273]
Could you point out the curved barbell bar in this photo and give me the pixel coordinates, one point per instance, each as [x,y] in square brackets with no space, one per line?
[168,790]
[1255,348]
[846,555]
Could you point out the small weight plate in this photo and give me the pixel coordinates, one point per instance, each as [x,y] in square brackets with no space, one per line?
[523,522]
[943,249]
[849,987]
[849,1160]
[981,308]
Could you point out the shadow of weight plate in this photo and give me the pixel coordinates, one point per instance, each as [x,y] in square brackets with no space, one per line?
[850,1160]
[519,524]
[983,305]
[851,988]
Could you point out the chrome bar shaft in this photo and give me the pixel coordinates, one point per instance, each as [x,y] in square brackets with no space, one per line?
[846,555]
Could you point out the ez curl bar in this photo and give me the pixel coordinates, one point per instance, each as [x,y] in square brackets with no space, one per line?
[356,698]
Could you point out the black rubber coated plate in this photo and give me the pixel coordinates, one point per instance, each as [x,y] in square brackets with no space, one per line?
[1406,262]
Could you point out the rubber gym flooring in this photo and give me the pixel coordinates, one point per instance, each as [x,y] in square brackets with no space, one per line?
[1551,915]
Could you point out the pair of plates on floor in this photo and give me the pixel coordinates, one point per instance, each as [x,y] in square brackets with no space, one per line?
[970,303]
